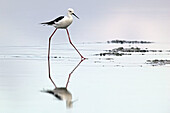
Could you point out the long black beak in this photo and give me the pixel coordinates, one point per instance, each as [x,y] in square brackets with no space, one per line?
[75,15]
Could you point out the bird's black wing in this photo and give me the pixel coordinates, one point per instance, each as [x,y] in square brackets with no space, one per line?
[53,22]
[52,92]
[58,97]
[59,18]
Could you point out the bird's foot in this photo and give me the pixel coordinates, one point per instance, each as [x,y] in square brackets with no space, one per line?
[83,58]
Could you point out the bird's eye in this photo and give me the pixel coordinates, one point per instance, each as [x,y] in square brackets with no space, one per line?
[70,11]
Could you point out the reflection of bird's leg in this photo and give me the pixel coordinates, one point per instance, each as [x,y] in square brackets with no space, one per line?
[49,57]
[73,45]
[73,71]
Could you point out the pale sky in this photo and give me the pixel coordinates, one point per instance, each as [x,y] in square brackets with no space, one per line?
[99,21]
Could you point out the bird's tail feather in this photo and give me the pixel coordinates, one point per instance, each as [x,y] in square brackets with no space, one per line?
[47,91]
[47,23]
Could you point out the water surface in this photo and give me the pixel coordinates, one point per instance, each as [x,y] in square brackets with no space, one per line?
[121,84]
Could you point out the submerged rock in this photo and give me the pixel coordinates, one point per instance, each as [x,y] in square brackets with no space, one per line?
[128,51]
[157,62]
[129,42]
[120,51]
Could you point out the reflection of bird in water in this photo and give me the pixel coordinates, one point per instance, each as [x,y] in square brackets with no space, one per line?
[62,94]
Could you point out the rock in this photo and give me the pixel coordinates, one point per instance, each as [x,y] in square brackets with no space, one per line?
[129,42]
[157,62]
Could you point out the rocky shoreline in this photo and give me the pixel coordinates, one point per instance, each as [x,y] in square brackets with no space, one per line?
[129,42]
[128,51]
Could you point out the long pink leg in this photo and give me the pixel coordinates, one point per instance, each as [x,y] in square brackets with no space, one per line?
[49,57]
[73,71]
[73,45]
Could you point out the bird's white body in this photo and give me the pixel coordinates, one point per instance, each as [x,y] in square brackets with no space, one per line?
[64,23]
[63,93]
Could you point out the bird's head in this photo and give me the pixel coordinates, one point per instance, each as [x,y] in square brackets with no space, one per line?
[71,12]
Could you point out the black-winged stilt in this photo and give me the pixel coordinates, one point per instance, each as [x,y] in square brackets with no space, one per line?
[61,22]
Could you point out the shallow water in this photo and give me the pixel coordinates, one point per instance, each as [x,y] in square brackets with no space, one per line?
[121,84]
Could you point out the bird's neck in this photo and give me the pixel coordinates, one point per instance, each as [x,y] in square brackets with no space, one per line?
[69,15]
